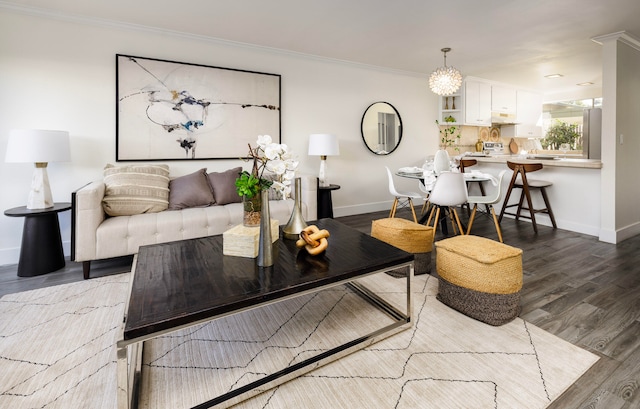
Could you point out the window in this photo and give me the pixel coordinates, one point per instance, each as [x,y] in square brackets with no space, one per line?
[562,122]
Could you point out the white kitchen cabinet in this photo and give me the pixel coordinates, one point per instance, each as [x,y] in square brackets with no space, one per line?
[529,107]
[503,99]
[521,131]
[477,103]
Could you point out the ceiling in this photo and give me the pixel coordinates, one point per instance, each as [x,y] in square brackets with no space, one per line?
[512,41]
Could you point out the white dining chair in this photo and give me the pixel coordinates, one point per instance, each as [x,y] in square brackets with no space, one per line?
[449,191]
[402,198]
[488,201]
[441,162]
[425,196]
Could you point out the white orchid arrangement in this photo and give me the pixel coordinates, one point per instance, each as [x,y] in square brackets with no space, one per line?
[272,157]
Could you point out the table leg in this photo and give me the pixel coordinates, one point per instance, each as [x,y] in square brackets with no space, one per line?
[129,373]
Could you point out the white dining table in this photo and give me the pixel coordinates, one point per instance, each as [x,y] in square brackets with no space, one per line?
[419,174]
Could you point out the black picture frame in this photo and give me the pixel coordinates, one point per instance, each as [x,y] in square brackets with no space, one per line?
[168,110]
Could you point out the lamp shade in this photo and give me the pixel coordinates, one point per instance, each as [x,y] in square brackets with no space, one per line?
[38,146]
[321,144]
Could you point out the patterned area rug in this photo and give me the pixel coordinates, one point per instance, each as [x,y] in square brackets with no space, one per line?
[56,351]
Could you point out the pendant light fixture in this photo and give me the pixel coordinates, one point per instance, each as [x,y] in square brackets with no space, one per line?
[445,80]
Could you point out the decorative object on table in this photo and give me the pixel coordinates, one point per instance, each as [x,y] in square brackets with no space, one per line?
[169,110]
[445,80]
[449,134]
[441,162]
[241,241]
[323,145]
[265,245]
[480,277]
[381,128]
[39,147]
[267,156]
[296,222]
[408,236]
[479,145]
[313,240]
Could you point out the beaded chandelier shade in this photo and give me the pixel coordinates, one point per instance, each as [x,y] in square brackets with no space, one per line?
[445,80]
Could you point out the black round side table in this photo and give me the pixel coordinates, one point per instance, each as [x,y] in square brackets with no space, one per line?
[325,204]
[41,251]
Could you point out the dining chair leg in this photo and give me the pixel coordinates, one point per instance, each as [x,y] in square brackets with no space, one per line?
[425,207]
[472,217]
[436,210]
[413,210]
[455,214]
[392,213]
[495,220]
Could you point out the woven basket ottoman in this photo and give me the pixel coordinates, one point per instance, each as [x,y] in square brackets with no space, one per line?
[408,236]
[479,277]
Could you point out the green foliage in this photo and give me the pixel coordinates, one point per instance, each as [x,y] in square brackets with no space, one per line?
[559,133]
[250,185]
[450,135]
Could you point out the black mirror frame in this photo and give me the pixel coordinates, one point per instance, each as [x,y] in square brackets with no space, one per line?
[400,128]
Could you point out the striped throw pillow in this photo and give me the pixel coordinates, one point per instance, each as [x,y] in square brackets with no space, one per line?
[135,189]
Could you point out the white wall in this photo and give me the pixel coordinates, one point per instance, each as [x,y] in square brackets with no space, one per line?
[59,73]
[620,167]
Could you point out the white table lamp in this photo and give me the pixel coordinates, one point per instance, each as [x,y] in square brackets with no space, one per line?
[323,145]
[39,147]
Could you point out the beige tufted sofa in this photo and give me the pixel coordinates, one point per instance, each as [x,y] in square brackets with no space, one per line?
[96,236]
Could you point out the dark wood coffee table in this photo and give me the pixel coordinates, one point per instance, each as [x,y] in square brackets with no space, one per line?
[180,284]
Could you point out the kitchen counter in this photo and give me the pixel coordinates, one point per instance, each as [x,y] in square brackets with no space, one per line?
[558,162]
[574,196]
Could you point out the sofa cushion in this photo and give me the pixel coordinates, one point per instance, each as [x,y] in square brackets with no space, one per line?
[135,189]
[192,190]
[224,186]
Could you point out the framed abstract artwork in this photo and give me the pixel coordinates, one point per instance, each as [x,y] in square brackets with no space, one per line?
[169,110]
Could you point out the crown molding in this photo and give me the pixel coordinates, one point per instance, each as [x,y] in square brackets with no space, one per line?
[119,25]
[621,36]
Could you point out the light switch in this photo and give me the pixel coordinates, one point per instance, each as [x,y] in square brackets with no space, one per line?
[621,139]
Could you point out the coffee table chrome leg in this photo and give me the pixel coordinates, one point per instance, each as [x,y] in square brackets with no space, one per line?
[129,373]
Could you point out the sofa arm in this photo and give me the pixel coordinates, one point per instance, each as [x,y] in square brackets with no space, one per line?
[309,188]
[87,214]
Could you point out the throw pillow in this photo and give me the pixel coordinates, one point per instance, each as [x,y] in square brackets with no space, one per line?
[191,190]
[135,189]
[224,186]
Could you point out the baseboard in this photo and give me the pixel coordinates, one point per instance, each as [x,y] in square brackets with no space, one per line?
[362,208]
[11,256]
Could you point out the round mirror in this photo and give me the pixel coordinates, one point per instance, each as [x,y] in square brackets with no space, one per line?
[381,128]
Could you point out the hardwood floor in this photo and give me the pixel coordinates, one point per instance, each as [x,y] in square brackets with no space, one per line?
[582,290]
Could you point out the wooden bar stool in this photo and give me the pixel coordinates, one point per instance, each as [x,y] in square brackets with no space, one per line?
[521,169]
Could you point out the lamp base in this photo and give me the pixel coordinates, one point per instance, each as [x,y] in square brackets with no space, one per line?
[40,194]
[322,175]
